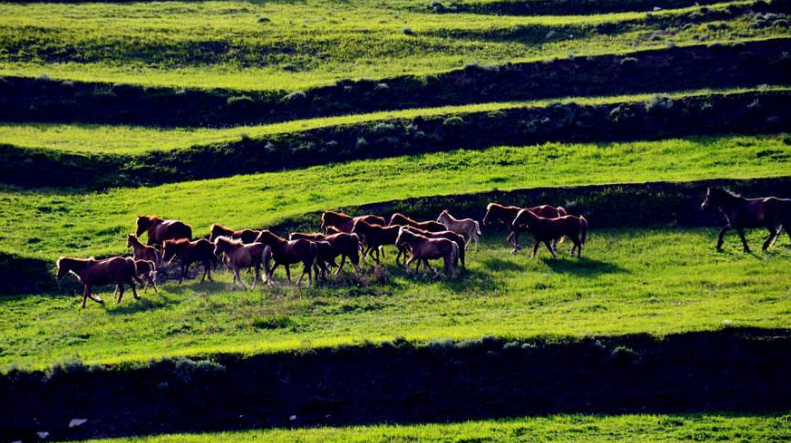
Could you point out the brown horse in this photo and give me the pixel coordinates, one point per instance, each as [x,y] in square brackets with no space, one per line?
[90,272]
[189,252]
[145,269]
[141,251]
[450,235]
[771,213]
[401,219]
[243,256]
[343,244]
[345,222]
[424,249]
[545,230]
[160,230]
[507,214]
[247,236]
[286,253]
[378,236]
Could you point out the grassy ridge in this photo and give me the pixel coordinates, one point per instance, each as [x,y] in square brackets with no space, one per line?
[552,429]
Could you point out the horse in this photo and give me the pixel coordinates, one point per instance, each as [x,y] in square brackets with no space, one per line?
[507,214]
[424,249]
[288,252]
[141,251]
[545,230]
[401,219]
[450,235]
[464,226]
[772,213]
[189,252]
[90,272]
[145,269]
[345,222]
[247,236]
[376,236]
[160,230]
[241,256]
[343,244]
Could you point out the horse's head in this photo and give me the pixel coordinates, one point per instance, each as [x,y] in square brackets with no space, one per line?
[522,219]
[130,240]
[143,222]
[169,250]
[400,238]
[63,269]
[442,215]
[489,208]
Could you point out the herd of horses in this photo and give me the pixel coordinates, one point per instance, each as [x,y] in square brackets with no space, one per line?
[352,238]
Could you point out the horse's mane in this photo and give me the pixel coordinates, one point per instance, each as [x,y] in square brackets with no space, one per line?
[178,241]
[398,214]
[220,227]
[336,214]
[228,240]
[727,192]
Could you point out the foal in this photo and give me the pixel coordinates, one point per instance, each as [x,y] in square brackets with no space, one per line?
[548,229]
[144,269]
[401,219]
[160,230]
[345,222]
[424,249]
[740,213]
[188,253]
[464,226]
[287,253]
[343,244]
[450,235]
[507,214]
[90,272]
[141,251]
[242,256]
[376,236]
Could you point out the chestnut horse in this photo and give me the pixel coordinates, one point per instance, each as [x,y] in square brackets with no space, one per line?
[145,269]
[771,213]
[450,235]
[377,236]
[401,219]
[424,249]
[243,256]
[141,251]
[189,252]
[285,252]
[545,230]
[160,230]
[345,222]
[507,214]
[343,244]
[247,236]
[463,226]
[90,272]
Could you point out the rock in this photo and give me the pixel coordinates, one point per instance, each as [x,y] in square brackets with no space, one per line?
[292,418]
[77,422]
[550,34]
[657,8]
[42,434]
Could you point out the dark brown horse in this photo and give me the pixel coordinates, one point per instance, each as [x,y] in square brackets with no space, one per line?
[424,249]
[244,256]
[345,222]
[287,253]
[450,235]
[141,251]
[378,236]
[343,244]
[546,230]
[247,236]
[118,271]
[399,219]
[771,213]
[189,252]
[507,214]
[160,230]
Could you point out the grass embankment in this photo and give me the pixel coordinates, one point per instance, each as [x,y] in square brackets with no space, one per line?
[296,45]
[552,429]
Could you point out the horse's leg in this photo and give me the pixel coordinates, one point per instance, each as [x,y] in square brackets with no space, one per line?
[343,261]
[209,266]
[153,285]
[288,274]
[120,287]
[740,231]
[241,282]
[305,268]
[510,238]
[134,290]
[721,237]
[85,292]
[257,275]
[183,272]
[411,260]
[476,241]
[772,236]
[536,244]
[549,246]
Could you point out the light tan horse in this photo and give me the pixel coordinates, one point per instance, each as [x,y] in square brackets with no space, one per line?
[143,252]
[90,272]
[243,256]
[464,226]
[424,249]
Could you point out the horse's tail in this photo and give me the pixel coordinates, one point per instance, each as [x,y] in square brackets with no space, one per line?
[131,268]
[454,256]
[583,229]
[478,228]
[266,255]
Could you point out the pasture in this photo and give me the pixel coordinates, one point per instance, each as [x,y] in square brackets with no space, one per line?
[263,114]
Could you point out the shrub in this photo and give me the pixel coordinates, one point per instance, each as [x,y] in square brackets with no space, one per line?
[408,31]
[274,322]
[629,62]
[239,101]
[186,370]
[453,123]
[658,103]
[295,98]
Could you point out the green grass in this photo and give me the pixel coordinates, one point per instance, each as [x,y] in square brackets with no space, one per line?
[552,429]
[49,223]
[657,281]
[121,139]
[314,42]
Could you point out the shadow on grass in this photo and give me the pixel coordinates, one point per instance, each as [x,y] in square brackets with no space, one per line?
[581,266]
[148,302]
[500,264]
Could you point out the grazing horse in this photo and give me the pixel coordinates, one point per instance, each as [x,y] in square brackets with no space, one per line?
[376,236]
[545,230]
[507,214]
[247,236]
[160,230]
[424,249]
[289,252]
[141,251]
[345,222]
[772,213]
[464,226]
[343,244]
[189,252]
[243,256]
[401,219]
[450,235]
[90,272]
